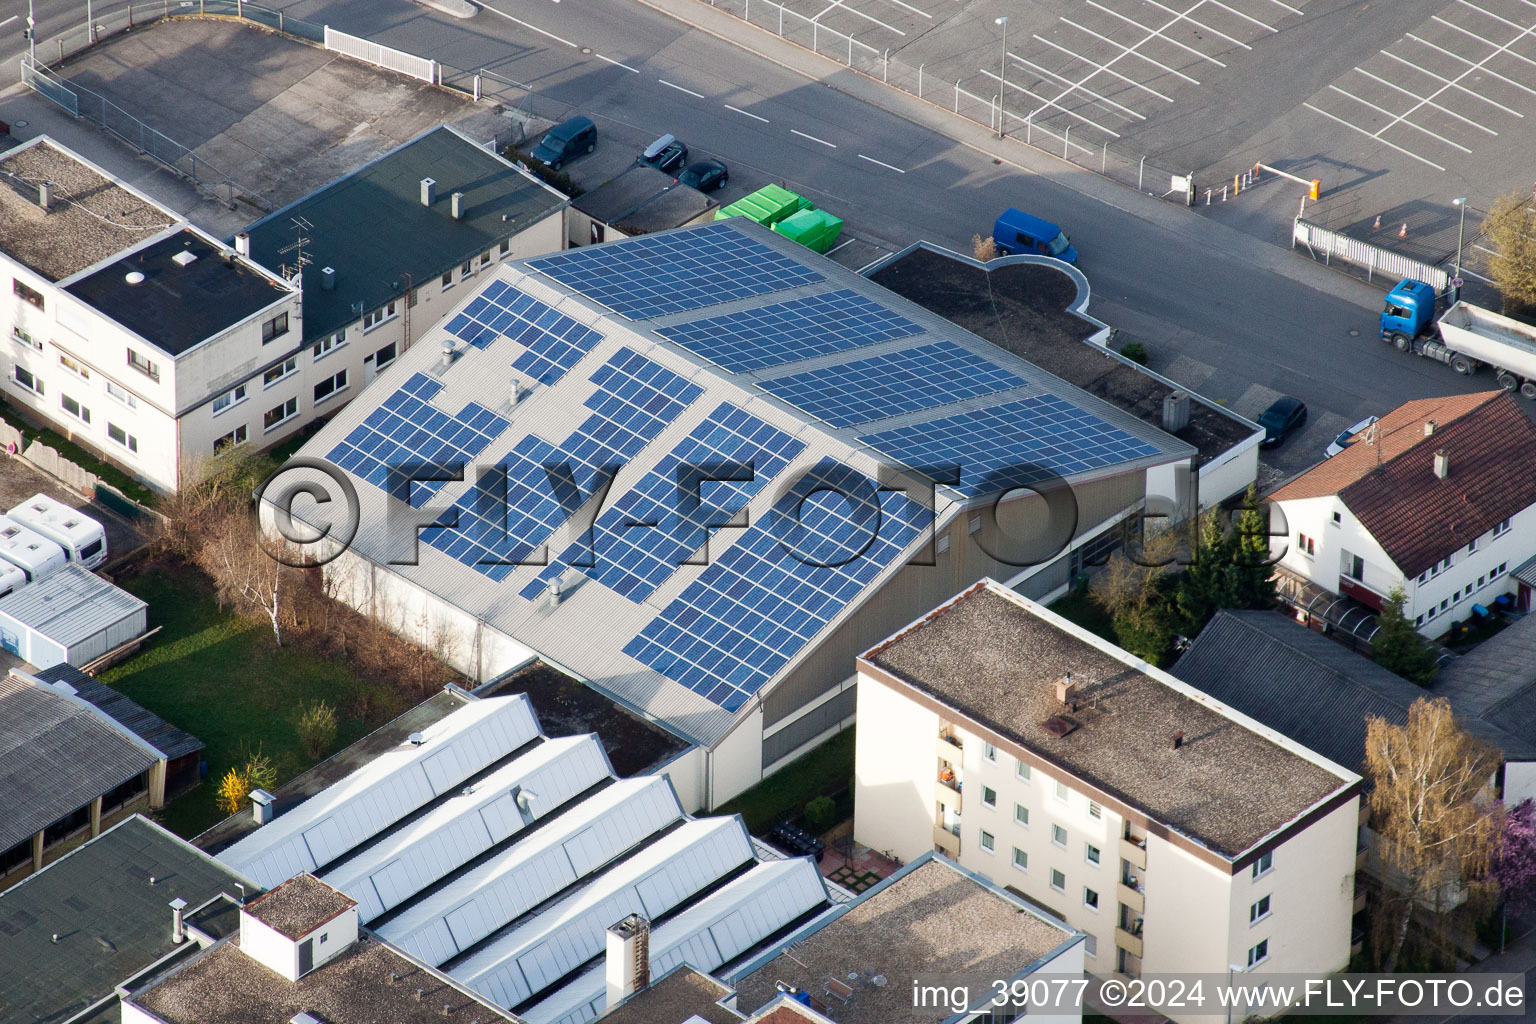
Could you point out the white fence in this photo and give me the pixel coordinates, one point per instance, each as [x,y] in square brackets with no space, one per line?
[381,56]
[1352,250]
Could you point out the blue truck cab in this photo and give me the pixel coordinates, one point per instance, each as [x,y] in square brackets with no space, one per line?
[1409,311]
[1016,232]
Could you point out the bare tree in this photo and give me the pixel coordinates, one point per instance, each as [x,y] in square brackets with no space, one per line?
[1438,827]
[244,575]
[1511,225]
[1125,583]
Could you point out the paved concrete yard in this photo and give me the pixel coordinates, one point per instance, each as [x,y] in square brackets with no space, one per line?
[20,480]
[280,117]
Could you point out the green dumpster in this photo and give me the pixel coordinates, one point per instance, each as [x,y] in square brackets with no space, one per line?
[817,230]
[768,205]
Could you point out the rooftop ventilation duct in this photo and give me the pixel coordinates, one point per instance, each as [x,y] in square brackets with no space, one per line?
[1066,689]
[554,594]
[243,244]
[184,258]
[328,279]
[456,205]
[262,806]
[1058,725]
[1442,464]
[1175,411]
[449,350]
[428,191]
[416,739]
[45,195]
[514,392]
[628,962]
[133,277]
[178,921]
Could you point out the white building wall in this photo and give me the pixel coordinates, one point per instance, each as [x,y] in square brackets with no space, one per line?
[736,762]
[1189,909]
[269,947]
[332,938]
[1519,782]
[893,798]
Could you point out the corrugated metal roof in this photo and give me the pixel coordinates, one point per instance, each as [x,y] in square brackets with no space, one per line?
[587,632]
[708,935]
[394,869]
[339,818]
[70,605]
[561,853]
[154,730]
[57,754]
[518,966]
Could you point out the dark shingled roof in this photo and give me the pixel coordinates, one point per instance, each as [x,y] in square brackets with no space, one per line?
[299,906]
[643,199]
[371,228]
[160,734]
[176,307]
[1497,680]
[56,755]
[995,657]
[110,921]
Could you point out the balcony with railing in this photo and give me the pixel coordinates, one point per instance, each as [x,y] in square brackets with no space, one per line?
[1351,587]
[947,840]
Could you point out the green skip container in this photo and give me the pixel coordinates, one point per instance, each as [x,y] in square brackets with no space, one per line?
[768,205]
[817,230]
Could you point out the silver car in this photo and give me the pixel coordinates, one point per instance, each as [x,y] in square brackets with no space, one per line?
[1347,438]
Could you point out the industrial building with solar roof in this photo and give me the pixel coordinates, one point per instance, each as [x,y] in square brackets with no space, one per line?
[771,425]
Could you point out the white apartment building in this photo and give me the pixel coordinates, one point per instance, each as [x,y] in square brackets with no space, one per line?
[123,324]
[1438,498]
[1179,835]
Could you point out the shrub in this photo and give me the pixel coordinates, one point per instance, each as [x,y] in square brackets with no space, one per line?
[317,729]
[1135,351]
[983,249]
[559,180]
[821,813]
[238,784]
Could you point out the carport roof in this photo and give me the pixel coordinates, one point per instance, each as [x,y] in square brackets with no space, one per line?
[371,228]
[148,726]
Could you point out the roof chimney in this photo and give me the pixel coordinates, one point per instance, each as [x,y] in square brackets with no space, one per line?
[261,806]
[178,922]
[328,279]
[1066,689]
[457,205]
[1175,411]
[428,191]
[45,195]
[1442,464]
[1429,427]
[628,968]
[243,244]
[1178,740]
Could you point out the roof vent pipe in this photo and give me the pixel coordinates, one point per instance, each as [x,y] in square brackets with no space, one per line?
[1429,427]
[1178,740]
[1175,411]
[428,191]
[515,391]
[45,195]
[554,593]
[328,279]
[243,244]
[178,921]
[1442,464]
[457,205]
[1066,689]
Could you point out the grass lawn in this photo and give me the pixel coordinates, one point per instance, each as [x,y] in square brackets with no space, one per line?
[822,772]
[1086,612]
[224,680]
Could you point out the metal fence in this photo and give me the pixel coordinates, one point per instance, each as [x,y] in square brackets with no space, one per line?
[1333,245]
[386,57]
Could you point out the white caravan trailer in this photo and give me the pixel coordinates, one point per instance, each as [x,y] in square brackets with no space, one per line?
[12,579]
[29,551]
[82,538]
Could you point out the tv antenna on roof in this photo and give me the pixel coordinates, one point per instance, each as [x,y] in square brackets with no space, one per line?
[300,261]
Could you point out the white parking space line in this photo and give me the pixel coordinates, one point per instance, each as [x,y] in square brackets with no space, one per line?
[7,21]
[1050,103]
[1468,61]
[1362,131]
[1105,69]
[1506,47]
[881,163]
[1177,17]
[616,63]
[1130,51]
[824,142]
[1153,33]
[1454,85]
[837,5]
[914,10]
[1288,7]
[1399,119]
[1409,92]
[674,85]
[747,113]
[1240,14]
[1476,67]
[1512,24]
[534,28]
[1103,101]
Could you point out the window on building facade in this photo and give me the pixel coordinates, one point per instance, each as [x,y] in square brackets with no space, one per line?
[1090,899]
[286,368]
[1021,770]
[1061,790]
[122,394]
[384,356]
[274,328]
[467,269]
[234,439]
[145,366]
[1471,545]
[988,796]
[1501,527]
[120,436]
[27,379]
[506,246]
[378,316]
[1058,880]
[1021,815]
[448,280]
[31,341]
[1498,570]
[74,367]
[330,386]
[1259,953]
[989,752]
[485,259]
[75,409]
[1264,863]
[229,399]
[1059,836]
[1091,853]
[1020,859]
[1337,519]
[988,843]
[278,415]
[325,346]
[26,294]
[1259,910]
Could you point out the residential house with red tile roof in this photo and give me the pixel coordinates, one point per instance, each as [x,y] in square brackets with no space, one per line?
[1437,497]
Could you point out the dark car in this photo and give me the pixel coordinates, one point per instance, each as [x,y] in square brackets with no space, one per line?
[1281,419]
[565,142]
[706,175]
[665,154]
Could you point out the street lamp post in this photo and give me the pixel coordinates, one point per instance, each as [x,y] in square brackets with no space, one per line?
[1002,77]
[31,34]
[1461,230]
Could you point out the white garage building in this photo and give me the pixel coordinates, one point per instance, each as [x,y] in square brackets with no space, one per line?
[71,616]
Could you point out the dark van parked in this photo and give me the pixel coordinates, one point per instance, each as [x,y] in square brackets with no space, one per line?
[565,142]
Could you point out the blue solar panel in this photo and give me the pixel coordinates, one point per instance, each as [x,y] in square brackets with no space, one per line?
[552,341]
[757,606]
[514,509]
[1012,444]
[633,559]
[405,429]
[786,332]
[654,275]
[889,385]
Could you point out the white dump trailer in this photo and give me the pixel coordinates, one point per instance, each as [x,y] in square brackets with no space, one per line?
[1472,337]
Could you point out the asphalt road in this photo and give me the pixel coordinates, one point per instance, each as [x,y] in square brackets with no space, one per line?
[1230,327]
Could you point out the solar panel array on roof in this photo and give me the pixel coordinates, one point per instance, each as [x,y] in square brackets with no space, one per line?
[404,430]
[640,541]
[337,819]
[513,509]
[786,332]
[561,853]
[1008,445]
[654,275]
[552,341]
[465,826]
[523,963]
[712,933]
[785,578]
[892,384]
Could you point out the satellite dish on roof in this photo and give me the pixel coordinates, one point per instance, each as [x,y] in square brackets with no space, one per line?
[134,277]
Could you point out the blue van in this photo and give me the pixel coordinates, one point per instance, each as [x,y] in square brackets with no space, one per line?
[1017,233]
